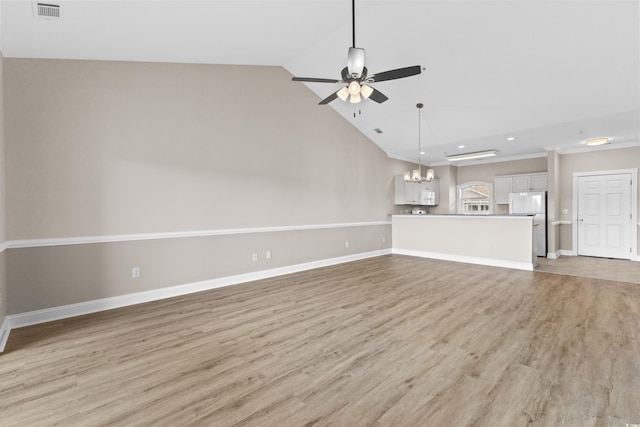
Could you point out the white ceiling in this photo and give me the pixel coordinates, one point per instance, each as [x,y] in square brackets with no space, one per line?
[549,73]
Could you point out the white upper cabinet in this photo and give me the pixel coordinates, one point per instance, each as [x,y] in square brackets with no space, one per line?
[521,183]
[503,185]
[501,189]
[539,182]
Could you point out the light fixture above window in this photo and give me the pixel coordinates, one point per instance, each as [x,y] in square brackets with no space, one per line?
[471,156]
[416,174]
[597,141]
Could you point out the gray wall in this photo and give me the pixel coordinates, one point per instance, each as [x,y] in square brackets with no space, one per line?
[451,176]
[626,158]
[111,148]
[97,149]
[560,169]
[3,270]
[553,206]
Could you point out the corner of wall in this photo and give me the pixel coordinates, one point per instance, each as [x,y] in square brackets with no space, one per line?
[4,324]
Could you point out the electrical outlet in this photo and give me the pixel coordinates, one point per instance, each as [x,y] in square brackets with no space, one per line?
[135,272]
[346,244]
[267,255]
[254,256]
[565,211]
[383,239]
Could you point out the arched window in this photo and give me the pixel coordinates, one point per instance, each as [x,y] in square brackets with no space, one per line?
[475,198]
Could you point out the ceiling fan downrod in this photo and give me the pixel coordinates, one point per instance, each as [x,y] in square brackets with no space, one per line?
[353,22]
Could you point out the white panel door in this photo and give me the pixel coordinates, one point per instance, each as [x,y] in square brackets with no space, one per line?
[604,216]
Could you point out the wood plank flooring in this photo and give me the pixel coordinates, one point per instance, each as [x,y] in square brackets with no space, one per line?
[387,341]
[598,268]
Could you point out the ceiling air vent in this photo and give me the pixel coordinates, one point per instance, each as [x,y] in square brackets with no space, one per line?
[378,130]
[48,10]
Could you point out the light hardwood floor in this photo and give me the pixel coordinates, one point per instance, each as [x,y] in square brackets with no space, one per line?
[597,268]
[387,341]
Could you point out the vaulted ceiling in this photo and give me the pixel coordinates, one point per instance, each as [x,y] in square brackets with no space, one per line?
[548,73]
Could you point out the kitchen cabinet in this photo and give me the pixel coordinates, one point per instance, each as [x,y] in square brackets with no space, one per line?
[410,193]
[520,183]
[501,189]
[539,182]
[503,185]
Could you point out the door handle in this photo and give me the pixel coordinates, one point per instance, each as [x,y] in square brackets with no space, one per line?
[580,219]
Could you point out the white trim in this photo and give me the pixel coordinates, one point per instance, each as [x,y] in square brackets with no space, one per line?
[465,216]
[459,189]
[35,243]
[561,252]
[87,307]
[466,259]
[3,246]
[567,252]
[585,148]
[4,333]
[634,205]
[633,171]
[496,159]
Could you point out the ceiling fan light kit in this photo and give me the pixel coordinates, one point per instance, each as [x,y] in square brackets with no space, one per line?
[354,75]
[472,156]
[343,93]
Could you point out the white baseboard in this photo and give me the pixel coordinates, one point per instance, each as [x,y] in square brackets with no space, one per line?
[87,307]
[569,252]
[560,252]
[467,259]
[4,333]
[566,252]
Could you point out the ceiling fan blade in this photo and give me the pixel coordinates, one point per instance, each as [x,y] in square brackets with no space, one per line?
[395,74]
[378,96]
[329,98]
[315,80]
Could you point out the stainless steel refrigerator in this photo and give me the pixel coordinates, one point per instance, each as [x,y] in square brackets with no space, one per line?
[533,203]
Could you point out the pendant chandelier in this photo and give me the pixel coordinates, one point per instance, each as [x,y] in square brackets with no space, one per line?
[416,175]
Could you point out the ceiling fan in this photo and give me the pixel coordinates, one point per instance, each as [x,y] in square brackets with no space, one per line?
[355,75]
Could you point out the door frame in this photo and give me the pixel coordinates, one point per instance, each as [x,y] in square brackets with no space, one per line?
[634,207]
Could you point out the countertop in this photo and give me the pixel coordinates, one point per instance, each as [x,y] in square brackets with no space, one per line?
[466,216]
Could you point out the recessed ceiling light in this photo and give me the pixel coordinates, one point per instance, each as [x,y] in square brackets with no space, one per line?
[460,146]
[511,138]
[597,141]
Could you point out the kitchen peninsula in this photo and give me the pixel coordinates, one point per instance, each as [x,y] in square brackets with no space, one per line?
[495,240]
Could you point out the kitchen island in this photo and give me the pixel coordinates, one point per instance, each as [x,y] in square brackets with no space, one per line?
[495,240]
